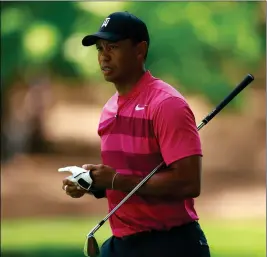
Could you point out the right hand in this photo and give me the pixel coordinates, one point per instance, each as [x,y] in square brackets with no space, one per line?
[72,189]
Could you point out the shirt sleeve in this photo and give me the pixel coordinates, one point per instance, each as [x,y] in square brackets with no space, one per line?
[176,131]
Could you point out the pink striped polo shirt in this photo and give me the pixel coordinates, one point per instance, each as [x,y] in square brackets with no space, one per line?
[138,131]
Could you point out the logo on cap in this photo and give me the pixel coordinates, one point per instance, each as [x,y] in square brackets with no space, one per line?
[105,23]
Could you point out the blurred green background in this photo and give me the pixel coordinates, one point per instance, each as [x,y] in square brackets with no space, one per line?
[53,91]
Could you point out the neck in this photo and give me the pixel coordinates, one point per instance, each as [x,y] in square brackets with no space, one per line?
[124,87]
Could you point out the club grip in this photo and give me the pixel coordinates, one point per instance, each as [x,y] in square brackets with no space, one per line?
[246,81]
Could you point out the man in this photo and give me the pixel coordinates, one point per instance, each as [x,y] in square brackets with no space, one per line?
[146,122]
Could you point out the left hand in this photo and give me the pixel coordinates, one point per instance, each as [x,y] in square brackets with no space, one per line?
[72,189]
[101,175]
[79,176]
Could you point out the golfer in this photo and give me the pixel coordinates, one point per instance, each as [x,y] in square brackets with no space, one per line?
[145,122]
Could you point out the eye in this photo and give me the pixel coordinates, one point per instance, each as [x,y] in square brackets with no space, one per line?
[112,46]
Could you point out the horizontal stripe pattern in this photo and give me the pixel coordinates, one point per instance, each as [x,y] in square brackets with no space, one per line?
[131,161]
[116,196]
[131,126]
[137,145]
[136,215]
[106,126]
[129,145]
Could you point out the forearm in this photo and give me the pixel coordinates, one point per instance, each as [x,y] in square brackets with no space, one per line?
[163,184]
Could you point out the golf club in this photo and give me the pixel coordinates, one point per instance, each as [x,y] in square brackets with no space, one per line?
[91,248]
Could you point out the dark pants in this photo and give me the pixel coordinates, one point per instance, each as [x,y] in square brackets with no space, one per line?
[184,241]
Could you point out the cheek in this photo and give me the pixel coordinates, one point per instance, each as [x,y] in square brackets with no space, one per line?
[127,61]
[120,61]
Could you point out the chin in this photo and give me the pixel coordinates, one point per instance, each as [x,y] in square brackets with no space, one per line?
[110,78]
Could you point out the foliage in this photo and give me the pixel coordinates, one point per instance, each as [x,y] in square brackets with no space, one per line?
[202,47]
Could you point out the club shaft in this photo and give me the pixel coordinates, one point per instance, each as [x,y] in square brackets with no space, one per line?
[243,84]
[144,180]
[246,81]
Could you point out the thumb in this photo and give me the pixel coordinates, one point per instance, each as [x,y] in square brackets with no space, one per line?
[89,167]
[68,182]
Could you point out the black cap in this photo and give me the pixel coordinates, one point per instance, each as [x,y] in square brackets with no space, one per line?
[119,26]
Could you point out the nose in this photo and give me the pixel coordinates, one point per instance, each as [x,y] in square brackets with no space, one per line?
[104,55]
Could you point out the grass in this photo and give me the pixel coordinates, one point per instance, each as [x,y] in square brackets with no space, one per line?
[231,238]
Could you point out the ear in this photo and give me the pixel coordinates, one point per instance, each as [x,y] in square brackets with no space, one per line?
[142,50]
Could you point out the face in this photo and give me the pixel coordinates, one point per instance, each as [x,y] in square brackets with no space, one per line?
[120,60]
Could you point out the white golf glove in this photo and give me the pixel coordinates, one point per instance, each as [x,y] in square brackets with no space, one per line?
[80,176]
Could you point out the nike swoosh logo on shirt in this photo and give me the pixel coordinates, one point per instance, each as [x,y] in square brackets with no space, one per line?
[138,108]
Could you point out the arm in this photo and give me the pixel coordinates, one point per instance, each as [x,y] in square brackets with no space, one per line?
[180,180]
[176,131]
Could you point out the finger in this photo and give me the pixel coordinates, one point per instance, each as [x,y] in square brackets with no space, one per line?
[64,187]
[69,193]
[89,166]
[65,184]
[67,187]
[66,181]
[71,189]
[81,190]
[75,195]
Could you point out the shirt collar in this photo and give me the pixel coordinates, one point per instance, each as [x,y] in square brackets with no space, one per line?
[138,87]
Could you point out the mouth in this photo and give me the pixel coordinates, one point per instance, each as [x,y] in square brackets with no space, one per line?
[106,70]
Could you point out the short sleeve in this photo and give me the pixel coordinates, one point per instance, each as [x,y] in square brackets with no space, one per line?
[176,131]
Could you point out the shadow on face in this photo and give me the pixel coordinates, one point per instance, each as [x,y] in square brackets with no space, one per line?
[120,60]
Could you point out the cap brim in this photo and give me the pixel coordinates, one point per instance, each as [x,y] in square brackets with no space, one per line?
[91,39]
